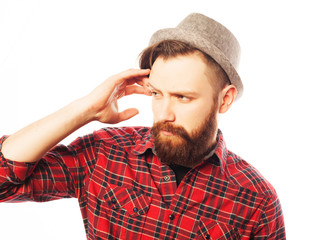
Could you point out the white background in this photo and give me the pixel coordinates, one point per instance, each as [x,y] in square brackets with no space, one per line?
[53,52]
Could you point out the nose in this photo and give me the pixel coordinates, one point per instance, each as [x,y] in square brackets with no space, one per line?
[166,113]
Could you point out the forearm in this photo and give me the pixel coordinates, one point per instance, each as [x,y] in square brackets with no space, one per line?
[32,142]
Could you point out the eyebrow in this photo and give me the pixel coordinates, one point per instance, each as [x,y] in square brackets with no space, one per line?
[183,92]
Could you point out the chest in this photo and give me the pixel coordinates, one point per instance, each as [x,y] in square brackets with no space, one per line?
[136,197]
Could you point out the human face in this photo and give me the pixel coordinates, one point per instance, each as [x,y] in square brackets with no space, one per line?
[181,91]
[183,105]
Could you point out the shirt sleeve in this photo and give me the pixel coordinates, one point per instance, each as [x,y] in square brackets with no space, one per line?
[61,173]
[271,223]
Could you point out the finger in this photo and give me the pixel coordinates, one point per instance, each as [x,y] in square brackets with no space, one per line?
[146,86]
[134,89]
[139,86]
[142,81]
[127,114]
[132,74]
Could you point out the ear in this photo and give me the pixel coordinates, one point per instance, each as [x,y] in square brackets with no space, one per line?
[227,97]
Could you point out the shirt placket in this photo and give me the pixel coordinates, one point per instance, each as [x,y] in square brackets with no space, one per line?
[167,186]
[176,204]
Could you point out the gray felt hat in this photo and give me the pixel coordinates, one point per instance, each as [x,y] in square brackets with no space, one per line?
[210,37]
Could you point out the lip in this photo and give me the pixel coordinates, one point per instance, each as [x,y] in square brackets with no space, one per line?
[166,133]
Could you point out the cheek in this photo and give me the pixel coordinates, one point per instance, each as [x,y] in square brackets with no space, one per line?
[191,117]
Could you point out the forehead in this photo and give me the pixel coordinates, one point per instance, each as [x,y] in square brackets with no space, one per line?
[190,72]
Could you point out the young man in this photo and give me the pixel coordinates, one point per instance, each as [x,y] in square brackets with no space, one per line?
[176,180]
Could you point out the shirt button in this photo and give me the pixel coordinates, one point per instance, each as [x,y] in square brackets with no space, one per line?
[166,178]
[135,209]
[207,236]
[171,217]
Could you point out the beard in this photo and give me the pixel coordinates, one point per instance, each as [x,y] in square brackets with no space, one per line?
[182,148]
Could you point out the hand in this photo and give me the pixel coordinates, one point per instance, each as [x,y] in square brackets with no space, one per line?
[102,101]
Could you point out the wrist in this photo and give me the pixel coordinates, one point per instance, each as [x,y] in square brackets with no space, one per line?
[82,112]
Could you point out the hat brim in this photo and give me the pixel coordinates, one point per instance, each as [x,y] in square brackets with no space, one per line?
[203,45]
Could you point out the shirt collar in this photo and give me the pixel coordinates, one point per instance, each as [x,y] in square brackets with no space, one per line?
[143,144]
[218,156]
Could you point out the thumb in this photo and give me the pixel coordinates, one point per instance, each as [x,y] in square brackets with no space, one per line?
[127,114]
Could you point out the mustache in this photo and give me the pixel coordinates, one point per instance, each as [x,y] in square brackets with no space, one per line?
[169,127]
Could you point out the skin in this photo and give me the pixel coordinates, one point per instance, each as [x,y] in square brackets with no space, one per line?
[100,105]
[183,94]
[173,100]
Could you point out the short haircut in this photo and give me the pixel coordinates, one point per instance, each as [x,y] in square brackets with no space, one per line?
[172,48]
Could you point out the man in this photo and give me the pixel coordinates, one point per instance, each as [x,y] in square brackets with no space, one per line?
[176,180]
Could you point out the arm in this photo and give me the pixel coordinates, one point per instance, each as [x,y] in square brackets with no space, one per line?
[59,172]
[271,222]
[99,105]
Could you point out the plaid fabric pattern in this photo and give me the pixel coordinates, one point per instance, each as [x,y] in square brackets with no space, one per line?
[125,192]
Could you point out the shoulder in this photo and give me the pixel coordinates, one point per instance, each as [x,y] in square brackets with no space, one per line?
[122,136]
[255,190]
[242,173]
[239,172]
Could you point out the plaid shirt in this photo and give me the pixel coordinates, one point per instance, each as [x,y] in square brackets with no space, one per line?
[125,192]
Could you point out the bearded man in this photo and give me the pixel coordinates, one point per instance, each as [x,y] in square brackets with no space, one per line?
[176,180]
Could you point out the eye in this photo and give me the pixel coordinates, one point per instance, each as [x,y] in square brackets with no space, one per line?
[154,93]
[183,98]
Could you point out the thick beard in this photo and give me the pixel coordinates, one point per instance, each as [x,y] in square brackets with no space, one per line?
[181,148]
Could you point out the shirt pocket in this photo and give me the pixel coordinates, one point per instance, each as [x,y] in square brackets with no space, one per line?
[133,202]
[213,230]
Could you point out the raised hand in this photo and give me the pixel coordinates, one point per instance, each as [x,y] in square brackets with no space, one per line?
[102,101]
[32,142]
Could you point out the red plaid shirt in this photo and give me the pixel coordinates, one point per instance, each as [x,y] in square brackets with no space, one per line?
[125,192]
